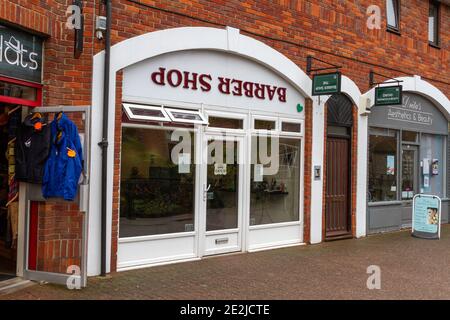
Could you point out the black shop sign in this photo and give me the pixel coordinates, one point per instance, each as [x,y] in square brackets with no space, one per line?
[20,55]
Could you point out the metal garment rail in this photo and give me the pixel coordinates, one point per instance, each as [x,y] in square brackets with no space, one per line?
[33,193]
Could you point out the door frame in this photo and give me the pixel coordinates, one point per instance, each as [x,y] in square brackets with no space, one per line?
[203,234]
[349,138]
[416,169]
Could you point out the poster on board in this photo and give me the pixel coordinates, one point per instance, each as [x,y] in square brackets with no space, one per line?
[426,216]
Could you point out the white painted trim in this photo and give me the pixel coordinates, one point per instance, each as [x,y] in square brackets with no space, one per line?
[134,50]
[351,90]
[274,246]
[317,159]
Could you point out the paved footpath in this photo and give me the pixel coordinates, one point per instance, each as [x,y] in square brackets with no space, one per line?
[410,269]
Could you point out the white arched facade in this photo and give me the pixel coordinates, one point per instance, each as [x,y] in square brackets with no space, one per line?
[137,49]
[229,40]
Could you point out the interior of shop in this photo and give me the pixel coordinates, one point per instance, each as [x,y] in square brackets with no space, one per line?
[10,118]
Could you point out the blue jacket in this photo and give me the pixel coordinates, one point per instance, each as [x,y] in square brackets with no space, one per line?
[65,162]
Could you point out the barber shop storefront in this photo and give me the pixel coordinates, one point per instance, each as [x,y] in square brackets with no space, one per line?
[408,154]
[211,158]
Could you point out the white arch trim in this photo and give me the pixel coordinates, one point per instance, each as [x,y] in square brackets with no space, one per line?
[134,50]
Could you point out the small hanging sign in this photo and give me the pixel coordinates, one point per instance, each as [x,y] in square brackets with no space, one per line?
[426,216]
[326,84]
[386,96]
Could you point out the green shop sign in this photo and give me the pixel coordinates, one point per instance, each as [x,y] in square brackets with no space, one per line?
[325,84]
[386,96]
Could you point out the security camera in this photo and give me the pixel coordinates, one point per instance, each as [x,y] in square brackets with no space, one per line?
[100,26]
[99,34]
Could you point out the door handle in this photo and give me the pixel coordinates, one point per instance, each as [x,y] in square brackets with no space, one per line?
[205,191]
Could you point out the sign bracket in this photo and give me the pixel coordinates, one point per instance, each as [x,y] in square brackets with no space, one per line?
[309,64]
[373,83]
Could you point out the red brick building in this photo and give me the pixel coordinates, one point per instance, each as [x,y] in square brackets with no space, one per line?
[272,39]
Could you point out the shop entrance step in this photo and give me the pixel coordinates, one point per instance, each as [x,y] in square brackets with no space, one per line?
[13,285]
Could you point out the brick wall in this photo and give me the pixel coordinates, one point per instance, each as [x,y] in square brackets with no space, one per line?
[59,236]
[332,30]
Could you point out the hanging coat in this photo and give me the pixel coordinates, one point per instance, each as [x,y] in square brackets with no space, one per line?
[64,164]
[31,148]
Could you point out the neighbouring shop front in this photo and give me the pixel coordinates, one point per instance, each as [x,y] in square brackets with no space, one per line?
[408,154]
[211,158]
[43,152]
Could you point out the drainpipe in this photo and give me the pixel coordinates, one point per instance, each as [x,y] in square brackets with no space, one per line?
[104,143]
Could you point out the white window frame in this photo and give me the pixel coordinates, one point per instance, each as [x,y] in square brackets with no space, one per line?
[127,107]
[396,9]
[227,115]
[194,112]
[292,133]
[265,118]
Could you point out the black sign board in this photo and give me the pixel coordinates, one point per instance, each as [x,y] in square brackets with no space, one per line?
[388,96]
[326,84]
[20,55]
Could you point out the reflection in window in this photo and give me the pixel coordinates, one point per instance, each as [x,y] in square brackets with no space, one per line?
[265,125]
[275,196]
[392,7]
[382,165]
[156,195]
[433,23]
[226,123]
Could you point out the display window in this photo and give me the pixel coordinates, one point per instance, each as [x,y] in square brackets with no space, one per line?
[413,163]
[157,194]
[275,180]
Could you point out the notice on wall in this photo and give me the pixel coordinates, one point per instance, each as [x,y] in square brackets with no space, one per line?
[390,165]
[258,175]
[426,216]
[220,169]
[184,163]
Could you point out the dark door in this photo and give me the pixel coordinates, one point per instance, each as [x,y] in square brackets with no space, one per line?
[337,196]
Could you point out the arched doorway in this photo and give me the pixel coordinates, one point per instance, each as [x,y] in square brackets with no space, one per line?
[338,183]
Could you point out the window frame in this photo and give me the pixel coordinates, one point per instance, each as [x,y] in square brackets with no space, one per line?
[436,29]
[161,236]
[226,115]
[265,118]
[131,116]
[169,111]
[397,6]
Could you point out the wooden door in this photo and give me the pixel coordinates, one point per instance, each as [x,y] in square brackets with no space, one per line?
[337,196]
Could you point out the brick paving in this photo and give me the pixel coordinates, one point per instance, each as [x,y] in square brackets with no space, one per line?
[410,269]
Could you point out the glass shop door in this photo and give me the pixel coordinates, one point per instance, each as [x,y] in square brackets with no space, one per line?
[223,178]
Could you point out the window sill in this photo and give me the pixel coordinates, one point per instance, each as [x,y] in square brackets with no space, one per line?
[436,46]
[394,31]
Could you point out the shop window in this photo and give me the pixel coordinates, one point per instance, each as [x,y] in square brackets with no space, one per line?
[409,136]
[275,186]
[393,14]
[157,192]
[225,123]
[382,165]
[432,151]
[294,127]
[433,23]
[186,116]
[143,112]
[265,124]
